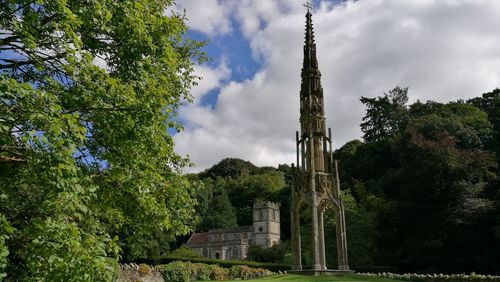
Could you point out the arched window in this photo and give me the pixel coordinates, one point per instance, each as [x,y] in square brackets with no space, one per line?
[217,255]
[236,253]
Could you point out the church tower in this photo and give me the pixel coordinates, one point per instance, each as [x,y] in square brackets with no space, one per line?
[266,223]
[316,180]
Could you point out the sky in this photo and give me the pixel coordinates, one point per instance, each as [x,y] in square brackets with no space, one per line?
[247,104]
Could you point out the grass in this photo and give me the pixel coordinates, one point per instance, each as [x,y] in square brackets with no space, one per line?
[340,277]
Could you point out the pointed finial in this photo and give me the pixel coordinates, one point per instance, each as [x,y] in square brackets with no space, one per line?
[308,5]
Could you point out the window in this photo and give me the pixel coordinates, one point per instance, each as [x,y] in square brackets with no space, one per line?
[261,215]
[245,236]
[236,253]
[205,252]
[226,237]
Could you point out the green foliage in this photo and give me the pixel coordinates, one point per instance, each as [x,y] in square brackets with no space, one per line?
[385,115]
[87,165]
[361,230]
[179,271]
[428,188]
[244,191]
[185,252]
[230,168]
[5,231]
[326,278]
[224,196]
[223,263]
[216,208]
[274,254]
[436,277]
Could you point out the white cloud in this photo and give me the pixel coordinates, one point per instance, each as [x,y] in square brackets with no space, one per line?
[211,17]
[441,50]
[211,78]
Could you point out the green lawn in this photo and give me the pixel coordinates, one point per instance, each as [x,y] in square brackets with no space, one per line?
[341,277]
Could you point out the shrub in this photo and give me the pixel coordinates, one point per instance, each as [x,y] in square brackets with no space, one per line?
[176,271]
[240,271]
[245,272]
[436,277]
[274,254]
[179,271]
[225,263]
[201,271]
[144,269]
[219,273]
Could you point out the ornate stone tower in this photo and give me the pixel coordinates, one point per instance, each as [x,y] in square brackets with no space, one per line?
[316,180]
[266,223]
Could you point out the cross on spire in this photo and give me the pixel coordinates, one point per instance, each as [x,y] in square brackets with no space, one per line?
[308,5]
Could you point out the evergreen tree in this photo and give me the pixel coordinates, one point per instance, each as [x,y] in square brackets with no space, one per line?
[385,115]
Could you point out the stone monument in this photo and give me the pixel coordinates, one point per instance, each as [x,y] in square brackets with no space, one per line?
[316,181]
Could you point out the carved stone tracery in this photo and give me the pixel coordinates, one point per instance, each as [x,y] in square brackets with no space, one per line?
[316,180]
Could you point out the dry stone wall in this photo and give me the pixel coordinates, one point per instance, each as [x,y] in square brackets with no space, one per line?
[138,273]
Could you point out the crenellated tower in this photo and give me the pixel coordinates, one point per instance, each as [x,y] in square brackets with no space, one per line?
[316,180]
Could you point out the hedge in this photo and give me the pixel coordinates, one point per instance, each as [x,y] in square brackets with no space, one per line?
[223,263]
[184,271]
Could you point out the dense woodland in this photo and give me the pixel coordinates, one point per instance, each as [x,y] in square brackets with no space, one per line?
[421,189]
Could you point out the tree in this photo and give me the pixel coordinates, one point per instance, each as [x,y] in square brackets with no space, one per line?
[87,92]
[385,115]
[220,212]
[229,168]
[442,181]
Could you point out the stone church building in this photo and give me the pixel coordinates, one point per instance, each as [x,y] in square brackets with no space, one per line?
[233,243]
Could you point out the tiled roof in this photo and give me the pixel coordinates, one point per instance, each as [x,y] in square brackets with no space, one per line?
[198,238]
[238,229]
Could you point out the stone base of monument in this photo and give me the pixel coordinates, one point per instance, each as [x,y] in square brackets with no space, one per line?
[324,272]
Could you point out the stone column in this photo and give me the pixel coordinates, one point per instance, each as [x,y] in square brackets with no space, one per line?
[343,263]
[296,251]
[314,207]
[321,240]
[341,231]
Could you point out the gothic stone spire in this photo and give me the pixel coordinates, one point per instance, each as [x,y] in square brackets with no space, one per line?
[311,93]
[316,179]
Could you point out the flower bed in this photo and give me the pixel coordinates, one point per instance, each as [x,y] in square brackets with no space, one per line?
[183,271]
[436,277]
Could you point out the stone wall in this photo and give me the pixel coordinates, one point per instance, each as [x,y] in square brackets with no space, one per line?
[138,273]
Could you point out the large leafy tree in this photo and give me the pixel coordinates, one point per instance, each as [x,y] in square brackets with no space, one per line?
[430,183]
[441,182]
[88,90]
[385,115]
